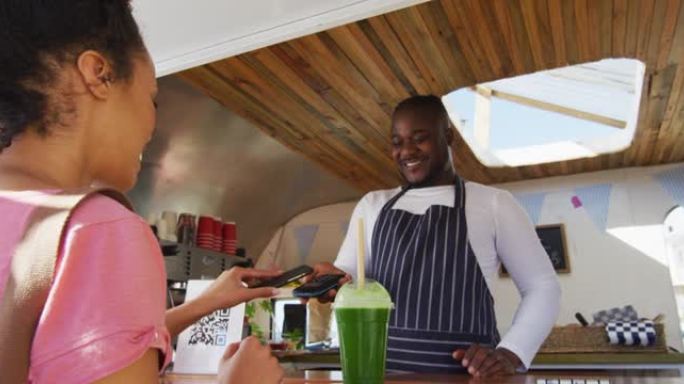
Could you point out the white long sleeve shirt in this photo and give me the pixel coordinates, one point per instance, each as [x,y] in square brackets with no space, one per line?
[499,232]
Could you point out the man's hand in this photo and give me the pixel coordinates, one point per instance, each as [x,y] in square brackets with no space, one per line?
[482,361]
[327,269]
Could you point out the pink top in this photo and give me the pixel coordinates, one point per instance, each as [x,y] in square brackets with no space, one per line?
[106,307]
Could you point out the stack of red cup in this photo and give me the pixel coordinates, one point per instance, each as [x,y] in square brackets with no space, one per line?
[205,232]
[218,235]
[229,238]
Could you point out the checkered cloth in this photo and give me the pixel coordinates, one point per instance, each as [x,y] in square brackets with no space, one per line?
[631,333]
[626,314]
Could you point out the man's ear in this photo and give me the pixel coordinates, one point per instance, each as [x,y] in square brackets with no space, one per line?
[96,73]
[449,133]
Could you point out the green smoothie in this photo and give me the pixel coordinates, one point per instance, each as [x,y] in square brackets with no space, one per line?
[362,316]
[363,343]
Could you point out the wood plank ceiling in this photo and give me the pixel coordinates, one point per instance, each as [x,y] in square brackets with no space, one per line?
[329,96]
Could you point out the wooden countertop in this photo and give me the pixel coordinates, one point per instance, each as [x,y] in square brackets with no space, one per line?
[608,358]
[319,377]
[540,359]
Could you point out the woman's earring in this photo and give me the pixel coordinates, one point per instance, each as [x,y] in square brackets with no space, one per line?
[106,79]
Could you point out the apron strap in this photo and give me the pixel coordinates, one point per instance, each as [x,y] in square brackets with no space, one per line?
[30,277]
[394,199]
[459,194]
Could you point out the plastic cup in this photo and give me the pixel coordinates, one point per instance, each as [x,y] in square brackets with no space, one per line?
[362,316]
[218,235]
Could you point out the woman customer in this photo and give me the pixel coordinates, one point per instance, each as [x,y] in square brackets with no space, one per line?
[77,90]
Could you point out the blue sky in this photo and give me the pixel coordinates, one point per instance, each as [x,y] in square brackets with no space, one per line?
[608,87]
[514,125]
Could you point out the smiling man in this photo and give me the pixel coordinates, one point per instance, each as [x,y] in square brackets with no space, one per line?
[436,244]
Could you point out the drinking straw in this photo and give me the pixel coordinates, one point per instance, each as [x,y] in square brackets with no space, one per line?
[361,257]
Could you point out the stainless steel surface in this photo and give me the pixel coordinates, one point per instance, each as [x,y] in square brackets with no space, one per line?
[197,263]
[204,159]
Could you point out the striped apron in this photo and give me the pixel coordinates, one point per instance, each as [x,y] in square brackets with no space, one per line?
[442,302]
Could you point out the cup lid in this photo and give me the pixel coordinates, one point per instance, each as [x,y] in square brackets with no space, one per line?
[373,295]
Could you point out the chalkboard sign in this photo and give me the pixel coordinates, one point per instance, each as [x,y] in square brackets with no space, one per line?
[552,238]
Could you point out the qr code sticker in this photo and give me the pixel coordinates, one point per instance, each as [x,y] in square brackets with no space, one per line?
[211,330]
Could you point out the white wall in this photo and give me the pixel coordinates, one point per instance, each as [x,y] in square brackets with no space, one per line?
[626,264]
[284,251]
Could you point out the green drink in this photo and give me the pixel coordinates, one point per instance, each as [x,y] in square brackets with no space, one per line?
[362,317]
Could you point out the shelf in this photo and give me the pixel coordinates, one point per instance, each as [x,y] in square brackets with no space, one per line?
[608,358]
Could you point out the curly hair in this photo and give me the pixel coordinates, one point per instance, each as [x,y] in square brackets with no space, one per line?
[39,37]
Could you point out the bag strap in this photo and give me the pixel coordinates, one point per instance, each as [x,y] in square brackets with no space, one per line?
[31,273]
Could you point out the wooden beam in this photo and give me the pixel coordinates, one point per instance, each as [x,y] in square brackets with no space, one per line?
[268,64]
[552,107]
[340,77]
[673,17]
[583,30]
[468,41]
[438,24]
[556,18]
[605,27]
[619,27]
[503,16]
[533,33]
[399,53]
[414,35]
[646,9]
[361,51]
[483,115]
[484,36]
[632,28]
[661,22]
[572,54]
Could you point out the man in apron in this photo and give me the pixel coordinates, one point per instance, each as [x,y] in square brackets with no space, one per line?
[435,244]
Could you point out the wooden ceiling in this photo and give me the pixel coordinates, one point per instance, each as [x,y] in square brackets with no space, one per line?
[329,96]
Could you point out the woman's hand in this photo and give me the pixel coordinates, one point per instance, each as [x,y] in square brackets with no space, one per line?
[231,288]
[249,362]
[228,290]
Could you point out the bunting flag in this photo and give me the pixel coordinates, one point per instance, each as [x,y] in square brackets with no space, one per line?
[305,236]
[532,203]
[576,202]
[595,199]
[672,181]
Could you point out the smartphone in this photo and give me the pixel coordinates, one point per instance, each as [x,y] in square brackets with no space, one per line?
[317,286]
[286,278]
